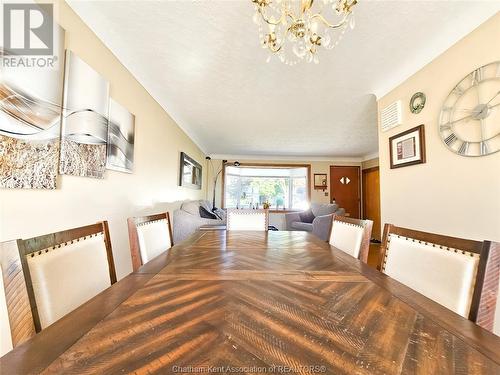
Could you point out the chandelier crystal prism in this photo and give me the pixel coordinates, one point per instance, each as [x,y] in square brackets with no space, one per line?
[296,30]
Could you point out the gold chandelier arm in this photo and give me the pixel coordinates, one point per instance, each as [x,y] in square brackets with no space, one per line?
[306,5]
[328,24]
[266,20]
[277,49]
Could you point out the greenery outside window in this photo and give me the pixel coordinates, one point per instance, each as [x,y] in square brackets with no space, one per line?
[283,187]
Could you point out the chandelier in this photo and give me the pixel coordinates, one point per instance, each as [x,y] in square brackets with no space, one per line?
[296,30]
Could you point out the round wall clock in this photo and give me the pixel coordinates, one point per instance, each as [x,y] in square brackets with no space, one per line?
[469,123]
[417,102]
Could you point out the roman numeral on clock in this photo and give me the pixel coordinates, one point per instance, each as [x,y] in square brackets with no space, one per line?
[449,140]
[445,127]
[464,147]
[483,147]
[458,90]
[477,76]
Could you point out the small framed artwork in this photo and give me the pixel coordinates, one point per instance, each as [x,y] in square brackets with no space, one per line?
[190,172]
[407,148]
[320,181]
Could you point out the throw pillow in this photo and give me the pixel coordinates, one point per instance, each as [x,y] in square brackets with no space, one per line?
[221,214]
[204,213]
[307,216]
[191,207]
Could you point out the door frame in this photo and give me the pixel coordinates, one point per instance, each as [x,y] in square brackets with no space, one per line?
[363,172]
[359,184]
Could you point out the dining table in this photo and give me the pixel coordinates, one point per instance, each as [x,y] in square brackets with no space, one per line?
[225,302]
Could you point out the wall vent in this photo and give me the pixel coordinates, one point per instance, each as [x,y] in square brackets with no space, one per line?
[391,116]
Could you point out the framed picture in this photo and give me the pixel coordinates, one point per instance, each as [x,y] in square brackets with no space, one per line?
[320,181]
[190,172]
[407,148]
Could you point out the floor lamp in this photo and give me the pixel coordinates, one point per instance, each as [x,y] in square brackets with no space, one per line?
[216,175]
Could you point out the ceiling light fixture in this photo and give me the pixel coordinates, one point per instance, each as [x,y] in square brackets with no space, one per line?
[295,30]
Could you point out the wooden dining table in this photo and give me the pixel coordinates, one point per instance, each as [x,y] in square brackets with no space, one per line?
[254,303]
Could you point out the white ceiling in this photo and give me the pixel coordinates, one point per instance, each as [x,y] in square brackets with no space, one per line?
[202,62]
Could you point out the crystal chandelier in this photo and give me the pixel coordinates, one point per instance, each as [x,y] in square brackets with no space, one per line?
[295,30]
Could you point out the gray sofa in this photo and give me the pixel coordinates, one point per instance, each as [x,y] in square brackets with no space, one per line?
[321,224]
[187,219]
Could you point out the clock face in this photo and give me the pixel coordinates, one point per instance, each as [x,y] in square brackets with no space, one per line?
[470,118]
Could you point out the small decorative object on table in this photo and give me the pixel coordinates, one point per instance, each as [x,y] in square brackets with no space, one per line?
[266,205]
[407,148]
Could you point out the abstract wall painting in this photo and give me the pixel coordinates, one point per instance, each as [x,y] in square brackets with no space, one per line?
[30,120]
[84,120]
[121,130]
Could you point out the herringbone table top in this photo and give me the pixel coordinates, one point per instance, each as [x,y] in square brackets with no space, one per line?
[254,303]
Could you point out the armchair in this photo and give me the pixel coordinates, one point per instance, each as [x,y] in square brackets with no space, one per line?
[322,222]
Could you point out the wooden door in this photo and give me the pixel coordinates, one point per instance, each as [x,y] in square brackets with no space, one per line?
[345,189]
[371,199]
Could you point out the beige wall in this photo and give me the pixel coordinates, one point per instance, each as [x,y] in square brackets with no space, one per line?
[317,196]
[79,201]
[449,194]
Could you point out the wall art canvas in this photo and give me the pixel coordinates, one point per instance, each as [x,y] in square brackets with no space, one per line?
[121,129]
[85,120]
[30,117]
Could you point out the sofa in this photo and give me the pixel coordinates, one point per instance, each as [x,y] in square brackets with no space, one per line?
[187,219]
[320,226]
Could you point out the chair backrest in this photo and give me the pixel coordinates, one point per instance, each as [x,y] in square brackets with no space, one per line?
[16,320]
[352,236]
[65,269]
[321,209]
[149,236]
[247,219]
[488,313]
[448,270]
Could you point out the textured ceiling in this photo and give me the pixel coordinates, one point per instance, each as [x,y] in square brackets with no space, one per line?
[201,60]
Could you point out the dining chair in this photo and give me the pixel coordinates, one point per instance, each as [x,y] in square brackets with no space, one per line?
[149,236]
[16,320]
[65,269]
[488,313]
[352,236]
[247,219]
[450,271]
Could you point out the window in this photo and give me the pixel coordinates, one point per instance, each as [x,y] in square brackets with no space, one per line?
[282,187]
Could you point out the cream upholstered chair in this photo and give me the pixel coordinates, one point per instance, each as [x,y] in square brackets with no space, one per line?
[247,219]
[149,236]
[352,236]
[65,269]
[451,271]
[16,320]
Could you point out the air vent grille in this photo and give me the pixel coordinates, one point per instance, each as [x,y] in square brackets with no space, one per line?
[391,116]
